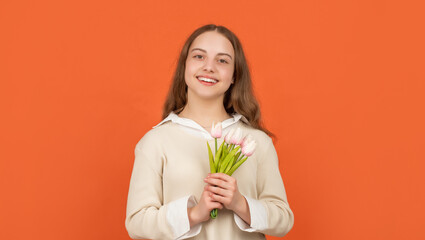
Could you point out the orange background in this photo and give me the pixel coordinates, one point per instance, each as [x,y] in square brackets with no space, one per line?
[341,83]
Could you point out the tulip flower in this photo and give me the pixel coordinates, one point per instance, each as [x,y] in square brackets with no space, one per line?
[246,140]
[229,136]
[248,148]
[233,152]
[237,137]
[216,130]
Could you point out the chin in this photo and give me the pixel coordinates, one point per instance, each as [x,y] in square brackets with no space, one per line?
[208,96]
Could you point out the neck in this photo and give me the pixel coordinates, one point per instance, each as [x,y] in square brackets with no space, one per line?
[205,111]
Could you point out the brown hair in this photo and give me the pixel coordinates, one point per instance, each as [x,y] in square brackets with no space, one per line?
[238,98]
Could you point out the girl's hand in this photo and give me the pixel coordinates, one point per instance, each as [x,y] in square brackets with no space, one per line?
[201,212]
[224,189]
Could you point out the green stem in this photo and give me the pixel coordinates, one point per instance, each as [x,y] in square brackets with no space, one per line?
[214,213]
[215,145]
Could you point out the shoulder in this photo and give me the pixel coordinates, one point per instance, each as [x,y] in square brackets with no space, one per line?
[257,134]
[264,143]
[265,151]
[156,135]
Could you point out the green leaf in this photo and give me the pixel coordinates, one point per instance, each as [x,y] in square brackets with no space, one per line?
[227,159]
[239,158]
[230,165]
[225,150]
[212,167]
[233,169]
[222,156]
[236,157]
[218,155]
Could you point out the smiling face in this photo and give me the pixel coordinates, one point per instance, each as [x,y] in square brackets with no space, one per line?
[209,66]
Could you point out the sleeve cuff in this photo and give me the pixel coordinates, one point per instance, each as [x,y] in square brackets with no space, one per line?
[178,219]
[258,216]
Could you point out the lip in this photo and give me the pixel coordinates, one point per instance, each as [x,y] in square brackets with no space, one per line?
[206,76]
[206,83]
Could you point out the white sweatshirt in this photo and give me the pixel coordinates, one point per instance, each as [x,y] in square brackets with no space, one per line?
[170,164]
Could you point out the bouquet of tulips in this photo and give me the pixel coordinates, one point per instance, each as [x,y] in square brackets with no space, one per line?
[234,151]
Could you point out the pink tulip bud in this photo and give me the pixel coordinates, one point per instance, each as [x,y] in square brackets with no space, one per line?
[216,130]
[249,148]
[246,140]
[237,137]
[229,136]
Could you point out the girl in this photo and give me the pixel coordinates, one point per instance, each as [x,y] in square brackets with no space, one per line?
[171,193]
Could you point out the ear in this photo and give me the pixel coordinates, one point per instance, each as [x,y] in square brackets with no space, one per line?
[233,81]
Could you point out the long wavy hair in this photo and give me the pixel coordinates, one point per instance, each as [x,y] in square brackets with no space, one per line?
[238,98]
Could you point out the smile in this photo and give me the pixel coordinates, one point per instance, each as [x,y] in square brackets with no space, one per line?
[207,80]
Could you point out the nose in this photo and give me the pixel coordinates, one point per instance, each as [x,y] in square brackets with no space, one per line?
[209,65]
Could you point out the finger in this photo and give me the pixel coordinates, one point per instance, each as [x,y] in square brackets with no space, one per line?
[221,199]
[221,176]
[219,205]
[218,190]
[217,182]
[208,197]
[216,204]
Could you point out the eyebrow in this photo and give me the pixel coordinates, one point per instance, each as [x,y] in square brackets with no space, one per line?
[202,50]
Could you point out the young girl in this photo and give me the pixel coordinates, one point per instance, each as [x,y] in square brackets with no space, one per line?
[171,192]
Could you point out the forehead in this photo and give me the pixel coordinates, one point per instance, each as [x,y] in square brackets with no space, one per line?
[213,42]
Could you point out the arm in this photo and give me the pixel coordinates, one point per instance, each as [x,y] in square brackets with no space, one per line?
[272,194]
[242,210]
[147,216]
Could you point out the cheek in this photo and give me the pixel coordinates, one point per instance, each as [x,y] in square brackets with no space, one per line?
[228,74]
[191,68]
[188,72]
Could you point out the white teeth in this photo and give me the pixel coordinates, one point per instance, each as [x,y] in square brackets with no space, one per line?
[207,80]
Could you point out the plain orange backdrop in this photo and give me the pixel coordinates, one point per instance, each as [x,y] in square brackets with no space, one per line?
[341,84]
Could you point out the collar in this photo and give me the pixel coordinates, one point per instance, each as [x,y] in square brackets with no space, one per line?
[192,124]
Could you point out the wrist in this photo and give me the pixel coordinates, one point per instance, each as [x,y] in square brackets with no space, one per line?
[242,210]
[193,216]
[240,204]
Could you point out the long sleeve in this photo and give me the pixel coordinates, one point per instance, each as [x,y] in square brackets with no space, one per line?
[179,220]
[258,216]
[271,193]
[147,216]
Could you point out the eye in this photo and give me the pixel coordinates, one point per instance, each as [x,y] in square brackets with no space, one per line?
[198,56]
[223,61]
